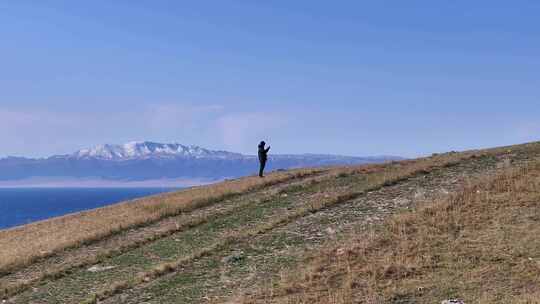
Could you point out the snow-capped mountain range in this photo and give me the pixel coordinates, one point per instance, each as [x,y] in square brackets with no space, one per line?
[142,150]
[153,163]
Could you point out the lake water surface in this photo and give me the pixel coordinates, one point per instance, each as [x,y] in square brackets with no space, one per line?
[19,206]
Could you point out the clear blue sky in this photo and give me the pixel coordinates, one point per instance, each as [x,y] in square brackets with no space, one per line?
[345,77]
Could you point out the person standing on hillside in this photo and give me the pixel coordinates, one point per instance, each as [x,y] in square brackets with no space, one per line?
[263,157]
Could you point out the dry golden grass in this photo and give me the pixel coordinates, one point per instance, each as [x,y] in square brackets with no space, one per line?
[480,245]
[16,286]
[23,245]
[377,176]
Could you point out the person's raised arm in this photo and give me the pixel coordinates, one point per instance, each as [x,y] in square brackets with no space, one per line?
[267,149]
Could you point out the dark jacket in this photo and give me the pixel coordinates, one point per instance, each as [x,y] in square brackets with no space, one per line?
[263,153]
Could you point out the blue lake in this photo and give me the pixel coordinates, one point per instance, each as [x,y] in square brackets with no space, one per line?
[19,206]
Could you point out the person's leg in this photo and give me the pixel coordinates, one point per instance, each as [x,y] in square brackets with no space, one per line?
[261,169]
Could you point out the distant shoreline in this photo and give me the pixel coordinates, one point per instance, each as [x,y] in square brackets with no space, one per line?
[102,183]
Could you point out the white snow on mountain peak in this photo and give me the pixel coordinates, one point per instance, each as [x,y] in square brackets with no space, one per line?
[137,149]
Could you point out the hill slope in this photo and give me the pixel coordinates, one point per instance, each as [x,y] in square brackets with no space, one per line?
[238,241]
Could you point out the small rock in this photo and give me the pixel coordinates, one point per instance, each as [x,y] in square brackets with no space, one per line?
[340,251]
[235,257]
[453,301]
[273,192]
[284,195]
[329,230]
[97,268]
[444,191]
[505,163]
[420,194]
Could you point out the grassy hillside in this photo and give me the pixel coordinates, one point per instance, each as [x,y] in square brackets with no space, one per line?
[481,244]
[416,231]
[22,245]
